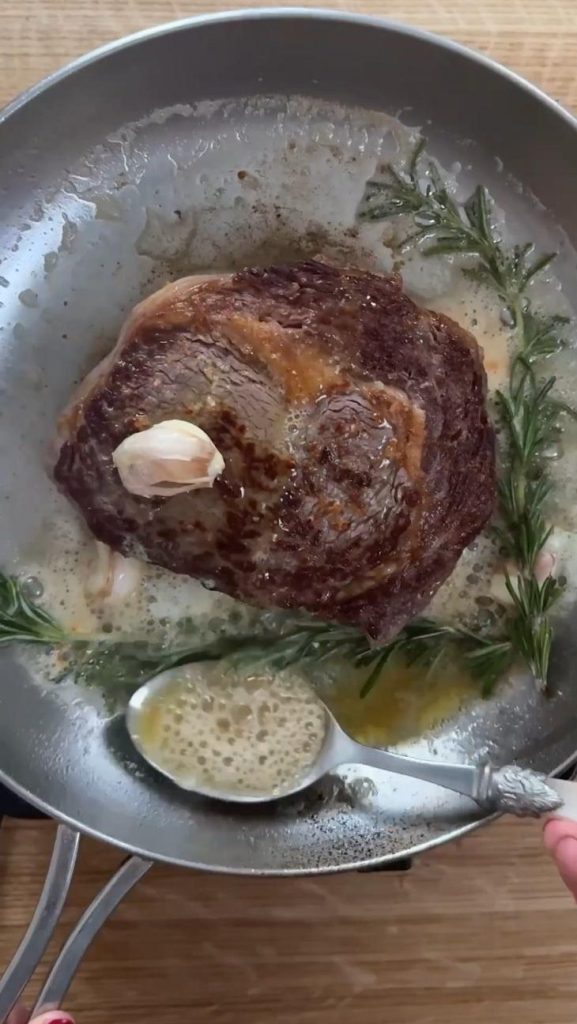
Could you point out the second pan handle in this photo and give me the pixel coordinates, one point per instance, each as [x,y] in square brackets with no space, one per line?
[104,903]
[44,920]
[46,915]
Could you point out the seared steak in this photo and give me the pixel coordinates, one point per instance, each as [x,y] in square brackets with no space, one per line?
[359,459]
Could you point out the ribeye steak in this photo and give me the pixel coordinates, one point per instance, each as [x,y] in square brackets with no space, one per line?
[359,458]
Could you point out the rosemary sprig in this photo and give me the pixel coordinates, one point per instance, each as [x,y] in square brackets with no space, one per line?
[444,228]
[528,410]
[310,643]
[119,666]
[22,620]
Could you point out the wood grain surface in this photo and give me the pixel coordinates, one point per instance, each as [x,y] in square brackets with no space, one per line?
[480,931]
[538,38]
[477,932]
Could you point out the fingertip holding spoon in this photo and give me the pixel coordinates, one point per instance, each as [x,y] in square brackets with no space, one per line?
[508,789]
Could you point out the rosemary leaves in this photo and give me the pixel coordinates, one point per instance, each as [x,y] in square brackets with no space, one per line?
[119,666]
[23,621]
[528,410]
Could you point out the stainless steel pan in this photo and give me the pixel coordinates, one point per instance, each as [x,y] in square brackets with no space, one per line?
[70,270]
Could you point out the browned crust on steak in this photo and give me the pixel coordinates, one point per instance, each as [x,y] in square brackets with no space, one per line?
[359,459]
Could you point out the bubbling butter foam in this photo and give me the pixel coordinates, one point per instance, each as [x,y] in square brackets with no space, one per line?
[221,733]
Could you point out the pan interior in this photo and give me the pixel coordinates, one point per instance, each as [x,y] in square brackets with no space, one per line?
[102,203]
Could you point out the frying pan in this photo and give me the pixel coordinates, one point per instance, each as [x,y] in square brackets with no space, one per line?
[84,157]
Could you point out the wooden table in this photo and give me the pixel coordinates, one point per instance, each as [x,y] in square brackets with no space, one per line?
[478,932]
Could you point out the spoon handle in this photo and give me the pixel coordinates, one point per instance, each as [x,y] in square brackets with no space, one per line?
[510,789]
[462,778]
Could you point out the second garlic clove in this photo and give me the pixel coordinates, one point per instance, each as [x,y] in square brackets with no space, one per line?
[169,458]
[111,578]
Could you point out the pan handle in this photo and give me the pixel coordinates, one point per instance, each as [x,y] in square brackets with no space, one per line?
[46,915]
[45,918]
[66,964]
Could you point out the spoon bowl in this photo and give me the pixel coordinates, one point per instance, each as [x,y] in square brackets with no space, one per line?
[336,748]
[508,789]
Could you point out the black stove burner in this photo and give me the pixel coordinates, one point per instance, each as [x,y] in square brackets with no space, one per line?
[12,806]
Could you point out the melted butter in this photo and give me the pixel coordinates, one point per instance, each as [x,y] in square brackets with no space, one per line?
[462,595]
[405,703]
[219,732]
[61,560]
[478,310]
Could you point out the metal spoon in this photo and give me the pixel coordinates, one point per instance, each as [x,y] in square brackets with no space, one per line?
[510,789]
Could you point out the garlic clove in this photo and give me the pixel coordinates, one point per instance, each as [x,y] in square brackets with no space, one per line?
[111,578]
[545,565]
[169,458]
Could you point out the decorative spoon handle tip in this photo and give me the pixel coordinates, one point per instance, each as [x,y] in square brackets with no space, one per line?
[519,791]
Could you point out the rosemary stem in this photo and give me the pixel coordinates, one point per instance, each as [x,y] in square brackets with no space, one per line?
[529,413]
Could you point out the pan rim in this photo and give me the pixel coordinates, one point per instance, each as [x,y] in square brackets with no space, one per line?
[360,865]
[389,26]
[157,858]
